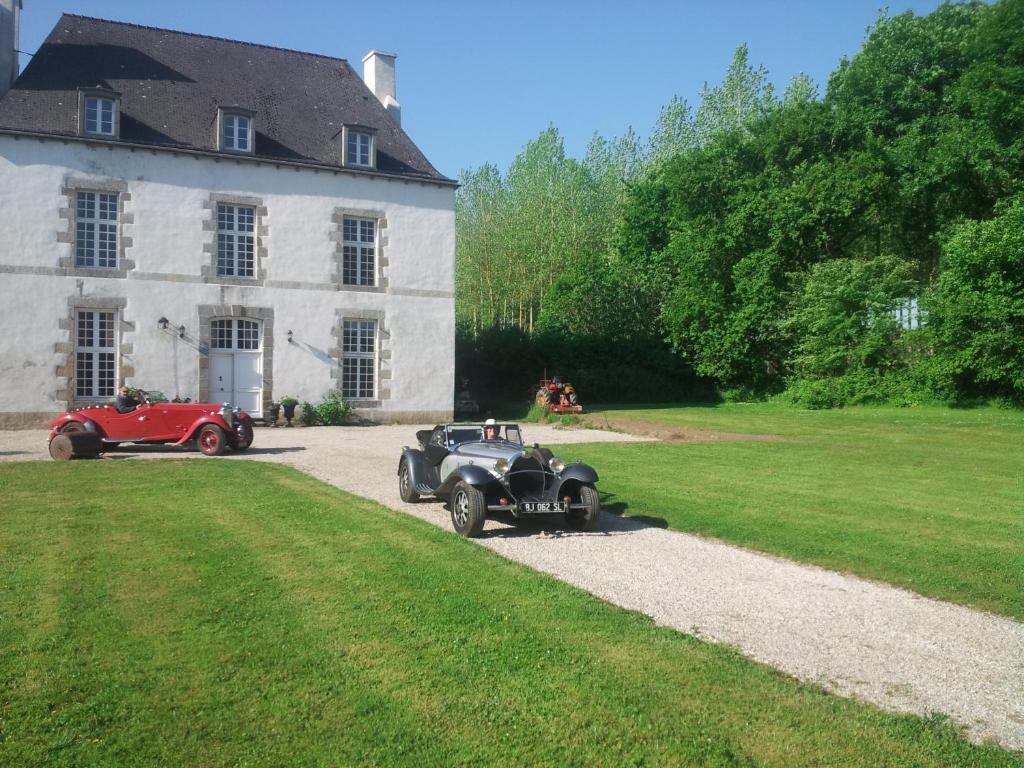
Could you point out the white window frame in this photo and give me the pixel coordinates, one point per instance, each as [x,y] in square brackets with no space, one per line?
[355,249]
[232,143]
[236,237]
[354,138]
[101,126]
[359,364]
[234,334]
[97,216]
[90,382]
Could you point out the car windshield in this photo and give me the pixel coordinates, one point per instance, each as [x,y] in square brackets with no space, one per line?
[458,435]
[469,434]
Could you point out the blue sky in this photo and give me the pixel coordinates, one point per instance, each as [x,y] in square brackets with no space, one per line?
[477,80]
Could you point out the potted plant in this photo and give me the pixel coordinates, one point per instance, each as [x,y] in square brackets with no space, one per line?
[288,404]
[275,412]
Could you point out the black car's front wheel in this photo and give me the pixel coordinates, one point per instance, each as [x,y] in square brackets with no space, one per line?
[469,509]
[405,489]
[588,518]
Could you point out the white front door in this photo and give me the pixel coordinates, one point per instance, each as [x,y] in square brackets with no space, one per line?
[236,365]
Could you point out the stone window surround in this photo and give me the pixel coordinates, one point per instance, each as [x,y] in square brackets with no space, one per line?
[383,353]
[208,271]
[337,236]
[210,312]
[66,372]
[354,128]
[223,112]
[68,213]
[102,93]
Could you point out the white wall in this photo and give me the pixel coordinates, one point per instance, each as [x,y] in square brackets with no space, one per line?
[167,212]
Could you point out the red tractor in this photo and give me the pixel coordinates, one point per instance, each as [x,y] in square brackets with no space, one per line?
[557,396]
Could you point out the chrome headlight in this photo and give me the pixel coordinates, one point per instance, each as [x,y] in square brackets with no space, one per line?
[557,465]
[227,414]
[501,466]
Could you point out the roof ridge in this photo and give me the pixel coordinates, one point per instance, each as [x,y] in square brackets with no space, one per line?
[199,34]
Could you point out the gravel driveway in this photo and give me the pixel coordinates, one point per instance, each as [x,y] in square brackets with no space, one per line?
[854,637]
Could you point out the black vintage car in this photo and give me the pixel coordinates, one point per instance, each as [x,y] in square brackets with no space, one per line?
[481,468]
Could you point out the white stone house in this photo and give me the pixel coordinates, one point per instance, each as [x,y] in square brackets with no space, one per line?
[218,220]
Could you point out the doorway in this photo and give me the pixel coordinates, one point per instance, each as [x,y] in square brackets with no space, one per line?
[236,364]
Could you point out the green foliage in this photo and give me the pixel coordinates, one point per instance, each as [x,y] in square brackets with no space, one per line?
[760,243]
[308,414]
[333,410]
[537,414]
[977,308]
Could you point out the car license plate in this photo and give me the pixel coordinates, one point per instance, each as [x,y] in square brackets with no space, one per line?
[542,506]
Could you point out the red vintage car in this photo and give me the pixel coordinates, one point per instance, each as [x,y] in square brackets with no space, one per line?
[213,427]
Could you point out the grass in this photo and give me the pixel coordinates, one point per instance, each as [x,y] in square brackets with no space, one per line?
[931,499]
[236,613]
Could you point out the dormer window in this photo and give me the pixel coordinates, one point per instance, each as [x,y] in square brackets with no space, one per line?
[359,147]
[236,131]
[99,114]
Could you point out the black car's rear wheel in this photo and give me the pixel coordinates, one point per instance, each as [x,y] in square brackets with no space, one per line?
[211,440]
[244,438]
[405,488]
[469,509]
[588,518]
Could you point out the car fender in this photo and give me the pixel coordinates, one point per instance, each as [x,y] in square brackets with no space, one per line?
[473,474]
[57,424]
[207,418]
[575,475]
[414,458]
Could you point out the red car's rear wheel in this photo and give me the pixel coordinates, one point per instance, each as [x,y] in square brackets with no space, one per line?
[211,440]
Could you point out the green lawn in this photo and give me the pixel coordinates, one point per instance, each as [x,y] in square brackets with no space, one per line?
[206,612]
[931,499]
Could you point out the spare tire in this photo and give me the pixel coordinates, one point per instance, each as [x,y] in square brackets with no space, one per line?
[75,445]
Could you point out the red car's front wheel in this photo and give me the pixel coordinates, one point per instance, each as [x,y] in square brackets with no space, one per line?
[211,440]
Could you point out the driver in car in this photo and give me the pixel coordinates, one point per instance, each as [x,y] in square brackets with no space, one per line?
[125,403]
[491,430]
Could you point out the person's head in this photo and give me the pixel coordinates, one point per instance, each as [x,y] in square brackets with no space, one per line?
[490,430]
[123,391]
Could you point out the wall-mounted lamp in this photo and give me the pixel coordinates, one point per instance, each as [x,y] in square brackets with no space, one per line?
[163,323]
[181,331]
[291,340]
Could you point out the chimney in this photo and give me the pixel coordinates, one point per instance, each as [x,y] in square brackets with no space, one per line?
[10,11]
[379,75]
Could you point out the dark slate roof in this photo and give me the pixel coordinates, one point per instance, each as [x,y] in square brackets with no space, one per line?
[172,84]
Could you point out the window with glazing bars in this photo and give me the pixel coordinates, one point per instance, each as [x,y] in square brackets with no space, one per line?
[99,116]
[96,230]
[236,133]
[358,249]
[358,152]
[359,359]
[234,334]
[236,225]
[95,355]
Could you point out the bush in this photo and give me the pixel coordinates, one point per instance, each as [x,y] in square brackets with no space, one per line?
[308,415]
[537,414]
[333,410]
